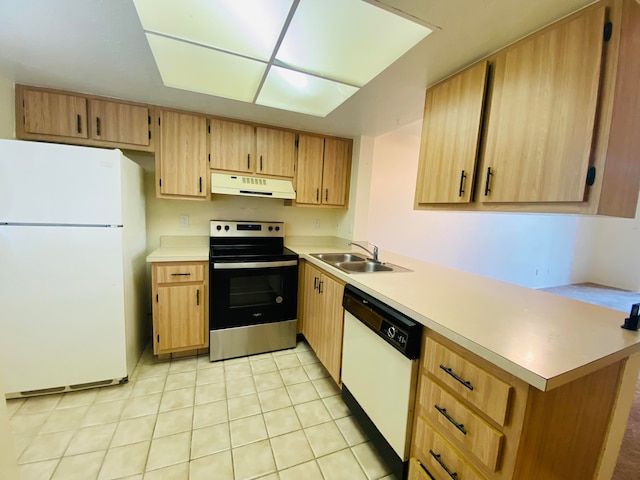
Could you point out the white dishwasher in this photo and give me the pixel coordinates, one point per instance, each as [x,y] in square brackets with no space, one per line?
[381,348]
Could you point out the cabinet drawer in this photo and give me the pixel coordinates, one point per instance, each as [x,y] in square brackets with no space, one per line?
[417,471]
[440,458]
[179,273]
[480,388]
[462,424]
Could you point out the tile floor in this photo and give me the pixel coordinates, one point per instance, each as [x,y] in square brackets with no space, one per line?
[269,416]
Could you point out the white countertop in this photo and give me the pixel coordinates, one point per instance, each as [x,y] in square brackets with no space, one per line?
[181,249]
[544,339]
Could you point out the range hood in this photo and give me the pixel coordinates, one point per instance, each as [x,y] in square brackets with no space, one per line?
[251,186]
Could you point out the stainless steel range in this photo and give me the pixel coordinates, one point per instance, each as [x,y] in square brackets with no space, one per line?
[253,289]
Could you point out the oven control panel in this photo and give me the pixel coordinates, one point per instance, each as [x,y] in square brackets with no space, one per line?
[232,228]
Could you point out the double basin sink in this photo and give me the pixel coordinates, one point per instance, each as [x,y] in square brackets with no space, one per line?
[352,263]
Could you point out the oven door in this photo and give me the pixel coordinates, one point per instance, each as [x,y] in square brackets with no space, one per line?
[251,293]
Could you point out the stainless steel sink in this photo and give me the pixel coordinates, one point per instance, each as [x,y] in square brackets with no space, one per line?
[352,263]
[338,257]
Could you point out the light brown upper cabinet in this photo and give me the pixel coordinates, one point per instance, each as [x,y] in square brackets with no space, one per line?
[542,114]
[233,146]
[450,137]
[181,166]
[64,117]
[323,171]
[276,152]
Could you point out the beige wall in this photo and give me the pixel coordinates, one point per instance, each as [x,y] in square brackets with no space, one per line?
[7,109]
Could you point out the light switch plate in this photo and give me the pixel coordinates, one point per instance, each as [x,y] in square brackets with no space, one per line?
[184,220]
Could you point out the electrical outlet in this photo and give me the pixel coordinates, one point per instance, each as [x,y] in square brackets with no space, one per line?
[316,224]
[184,220]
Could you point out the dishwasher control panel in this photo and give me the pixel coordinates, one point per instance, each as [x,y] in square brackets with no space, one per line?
[400,331]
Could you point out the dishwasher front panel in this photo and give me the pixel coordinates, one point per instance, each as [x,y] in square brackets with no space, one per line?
[382,381]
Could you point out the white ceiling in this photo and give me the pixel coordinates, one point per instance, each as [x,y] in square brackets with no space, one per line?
[99,47]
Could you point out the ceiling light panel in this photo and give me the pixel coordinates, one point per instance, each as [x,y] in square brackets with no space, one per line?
[199,69]
[302,93]
[346,40]
[245,27]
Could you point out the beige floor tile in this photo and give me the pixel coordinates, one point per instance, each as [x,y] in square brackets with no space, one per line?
[41,404]
[294,375]
[243,406]
[21,442]
[46,447]
[210,440]
[341,465]
[210,414]
[272,476]
[171,450]
[274,399]
[220,463]
[175,399]
[263,365]
[312,413]
[336,406]
[152,370]
[174,421]
[237,370]
[325,438]
[77,399]
[247,430]
[210,392]
[183,365]
[351,431]
[290,360]
[291,449]
[181,380]
[235,361]
[114,392]
[64,419]
[253,460]
[316,371]
[304,471]
[205,362]
[126,460]
[240,386]
[278,353]
[103,413]
[141,406]
[281,421]
[268,381]
[147,386]
[91,439]
[79,467]
[174,472]
[302,392]
[27,425]
[307,357]
[134,430]
[214,374]
[302,346]
[326,387]
[370,461]
[37,470]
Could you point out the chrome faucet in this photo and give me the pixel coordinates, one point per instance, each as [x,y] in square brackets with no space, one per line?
[374,254]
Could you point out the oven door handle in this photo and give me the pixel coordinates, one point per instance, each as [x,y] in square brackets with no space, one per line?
[236,265]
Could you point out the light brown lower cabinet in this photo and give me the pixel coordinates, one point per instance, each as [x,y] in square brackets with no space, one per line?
[180,306]
[474,421]
[323,317]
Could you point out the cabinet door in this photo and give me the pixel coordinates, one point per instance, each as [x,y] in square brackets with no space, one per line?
[119,122]
[183,152]
[309,174]
[334,171]
[180,317]
[232,146]
[332,325]
[542,115]
[450,137]
[276,152]
[55,114]
[311,309]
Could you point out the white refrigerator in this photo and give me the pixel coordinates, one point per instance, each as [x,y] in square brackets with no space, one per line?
[72,268]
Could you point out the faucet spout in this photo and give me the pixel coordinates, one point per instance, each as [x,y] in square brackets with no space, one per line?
[374,254]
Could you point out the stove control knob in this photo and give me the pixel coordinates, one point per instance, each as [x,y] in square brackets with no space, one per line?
[219,227]
[391,332]
[226,228]
[277,229]
[270,228]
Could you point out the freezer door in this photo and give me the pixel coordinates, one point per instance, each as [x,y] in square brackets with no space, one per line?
[60,184]
[61,295]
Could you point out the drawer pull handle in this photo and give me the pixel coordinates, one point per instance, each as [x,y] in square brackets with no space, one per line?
[466,383]
[459,426]
[180,274]
[453,475]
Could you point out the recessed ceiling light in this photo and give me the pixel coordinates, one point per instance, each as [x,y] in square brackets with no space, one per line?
[307,56]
